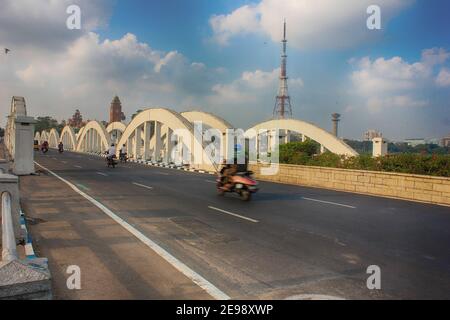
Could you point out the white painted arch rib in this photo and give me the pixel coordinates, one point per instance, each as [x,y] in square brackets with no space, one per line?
[310,130]
[119,126]
[97,127]
[53,138]
[69,132]
[207,118]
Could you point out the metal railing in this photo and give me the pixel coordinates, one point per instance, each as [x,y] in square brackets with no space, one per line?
[9,251]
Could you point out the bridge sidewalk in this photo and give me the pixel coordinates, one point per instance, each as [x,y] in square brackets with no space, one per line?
[69,230]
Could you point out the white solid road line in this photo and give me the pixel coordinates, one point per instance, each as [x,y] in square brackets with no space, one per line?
[142,185]
[329,202]
[180,266]
[103,174]
[233,214]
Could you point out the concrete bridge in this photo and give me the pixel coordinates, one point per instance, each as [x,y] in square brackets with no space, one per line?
[164,135]
[147,232]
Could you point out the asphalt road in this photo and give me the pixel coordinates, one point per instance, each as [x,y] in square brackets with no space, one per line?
[287,241]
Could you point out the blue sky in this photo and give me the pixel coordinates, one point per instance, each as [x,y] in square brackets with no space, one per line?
[222,56]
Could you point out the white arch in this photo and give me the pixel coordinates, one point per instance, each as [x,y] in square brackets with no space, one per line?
[53,138]
[209,119]
[37,136]
[115,130]
[93,138]
[68,138]
[44,136]
[310,130]
[18,106]
[163,122]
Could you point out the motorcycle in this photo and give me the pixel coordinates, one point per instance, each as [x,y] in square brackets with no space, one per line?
[123,157]
[44,149]
[111,161]
[60,149]
[242,183]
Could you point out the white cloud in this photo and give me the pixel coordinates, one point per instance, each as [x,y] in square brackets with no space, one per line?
[391,83]
[250,86]
[311,24]
[88,72]
[41,24]
[443,78]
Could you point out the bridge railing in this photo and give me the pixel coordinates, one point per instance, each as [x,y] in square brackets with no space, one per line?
[9,251]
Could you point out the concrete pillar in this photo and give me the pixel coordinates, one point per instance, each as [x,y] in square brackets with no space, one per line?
[322,149]
[303,138]
[168,150]
[23,146]
[157,150]
[147,136]
[129,146]
[137,142]
[91,140]
[223,147]
[380,147]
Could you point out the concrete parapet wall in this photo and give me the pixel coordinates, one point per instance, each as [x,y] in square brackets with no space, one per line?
[421,188]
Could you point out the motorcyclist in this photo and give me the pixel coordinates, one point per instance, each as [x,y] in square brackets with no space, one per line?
[111,152]
[123,152]
[228,171]
[44,147]
[60,147]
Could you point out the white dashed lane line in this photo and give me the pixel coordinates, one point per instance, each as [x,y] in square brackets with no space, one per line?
[142,185]
[233,214]
[102,174]
[79,167]
[329,202]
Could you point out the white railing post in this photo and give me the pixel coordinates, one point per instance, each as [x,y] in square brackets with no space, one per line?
[9,251]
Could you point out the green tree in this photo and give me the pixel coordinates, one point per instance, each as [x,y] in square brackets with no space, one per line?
[45,123]
[136,113]
[295,152]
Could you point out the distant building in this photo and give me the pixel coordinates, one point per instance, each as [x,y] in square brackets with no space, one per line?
[415,141]
[445,142]
[115,111]
[369,135]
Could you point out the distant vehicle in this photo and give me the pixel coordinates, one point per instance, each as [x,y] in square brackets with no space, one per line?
[44,147]
[36,145]
[242,183]
[123,157]
[111,160]
[60,147]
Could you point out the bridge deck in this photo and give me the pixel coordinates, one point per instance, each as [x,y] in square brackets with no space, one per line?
[289,240]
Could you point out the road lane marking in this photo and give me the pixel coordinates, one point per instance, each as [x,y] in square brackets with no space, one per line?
[329,202]
[180,266]
[79,167]
[210,181]
[162,173]
[102,174]
[142,185]
[233,214]
[54,158]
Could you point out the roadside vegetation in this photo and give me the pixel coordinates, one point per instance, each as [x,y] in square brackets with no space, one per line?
[306,153]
